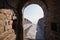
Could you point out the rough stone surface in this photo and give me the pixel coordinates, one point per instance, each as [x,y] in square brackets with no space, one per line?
[6,31]
[52,17]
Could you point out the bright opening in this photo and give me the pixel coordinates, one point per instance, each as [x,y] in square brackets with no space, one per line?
[32,13]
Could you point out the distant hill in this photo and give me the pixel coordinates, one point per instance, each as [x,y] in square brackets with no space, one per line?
[25,21]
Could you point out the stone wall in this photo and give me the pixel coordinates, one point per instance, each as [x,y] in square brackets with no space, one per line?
[52,20]
[6,21]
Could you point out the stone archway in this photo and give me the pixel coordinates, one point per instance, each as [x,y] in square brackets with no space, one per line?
[40,3]
[19,7]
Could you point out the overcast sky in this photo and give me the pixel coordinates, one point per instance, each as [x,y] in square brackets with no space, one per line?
[33,12]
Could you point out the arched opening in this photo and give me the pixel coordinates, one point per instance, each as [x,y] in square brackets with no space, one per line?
[32,22]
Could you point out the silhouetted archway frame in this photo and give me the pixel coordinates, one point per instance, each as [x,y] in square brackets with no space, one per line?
[38,2]
[19,6]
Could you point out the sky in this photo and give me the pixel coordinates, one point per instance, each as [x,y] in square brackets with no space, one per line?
[33,12]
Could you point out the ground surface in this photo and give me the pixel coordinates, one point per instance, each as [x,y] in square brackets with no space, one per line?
[33,32]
